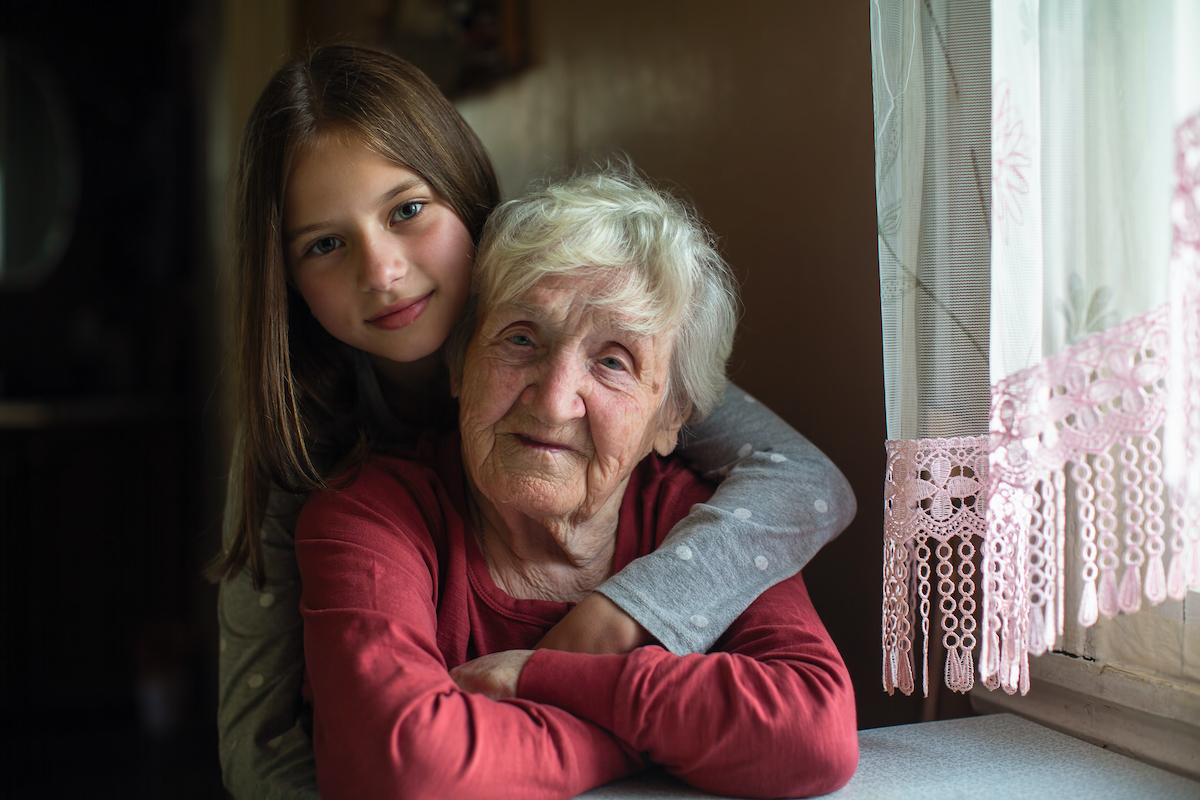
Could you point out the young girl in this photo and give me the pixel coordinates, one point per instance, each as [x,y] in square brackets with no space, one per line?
[360,196]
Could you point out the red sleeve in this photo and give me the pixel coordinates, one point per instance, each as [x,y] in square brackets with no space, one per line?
[388,719]
[771,715]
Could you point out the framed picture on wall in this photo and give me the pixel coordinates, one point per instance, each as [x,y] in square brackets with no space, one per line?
[462,45]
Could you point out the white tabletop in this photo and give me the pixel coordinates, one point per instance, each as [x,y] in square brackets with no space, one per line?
[1000,756]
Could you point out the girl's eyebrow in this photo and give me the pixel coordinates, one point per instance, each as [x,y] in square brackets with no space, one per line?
[400,188]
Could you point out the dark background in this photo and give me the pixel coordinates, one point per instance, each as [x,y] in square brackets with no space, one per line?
[107,679]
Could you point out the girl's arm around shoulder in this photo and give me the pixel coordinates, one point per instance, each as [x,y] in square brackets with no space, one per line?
[780,499]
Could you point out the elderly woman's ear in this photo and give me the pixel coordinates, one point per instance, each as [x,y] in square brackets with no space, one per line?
[668,437]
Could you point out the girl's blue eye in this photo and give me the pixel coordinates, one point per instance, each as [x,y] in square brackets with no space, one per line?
[407,210]
[324,246]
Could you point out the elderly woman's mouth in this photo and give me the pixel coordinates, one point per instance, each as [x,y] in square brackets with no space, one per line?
[542,444]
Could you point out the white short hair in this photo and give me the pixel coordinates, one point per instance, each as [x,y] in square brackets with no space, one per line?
[659,260]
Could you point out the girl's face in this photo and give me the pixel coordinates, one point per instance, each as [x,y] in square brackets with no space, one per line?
[382,260]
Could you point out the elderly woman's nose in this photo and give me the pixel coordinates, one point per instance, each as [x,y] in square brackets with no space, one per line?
[556,393]
[380,264]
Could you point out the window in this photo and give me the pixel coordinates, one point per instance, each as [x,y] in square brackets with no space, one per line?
[1038,184]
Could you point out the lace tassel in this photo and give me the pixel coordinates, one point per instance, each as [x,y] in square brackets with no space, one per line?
[1156,580]
[1110,603]
[1010,666]
[897,645]
[905,676]
[1088,605]
[1037,631]
[960,670]
[1177,583]
[925,650]
[897,670]
[891,669]
[1130,594]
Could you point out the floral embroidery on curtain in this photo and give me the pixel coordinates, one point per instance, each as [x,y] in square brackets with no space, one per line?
[1090,320]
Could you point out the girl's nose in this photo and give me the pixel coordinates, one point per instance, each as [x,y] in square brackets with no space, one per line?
[382,263]
[556,393]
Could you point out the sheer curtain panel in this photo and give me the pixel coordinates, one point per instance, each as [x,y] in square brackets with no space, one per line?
[1038,187]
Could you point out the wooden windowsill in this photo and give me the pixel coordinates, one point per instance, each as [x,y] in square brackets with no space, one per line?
[1139,714]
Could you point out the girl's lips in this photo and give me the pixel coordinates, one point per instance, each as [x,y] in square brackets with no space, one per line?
[402,314]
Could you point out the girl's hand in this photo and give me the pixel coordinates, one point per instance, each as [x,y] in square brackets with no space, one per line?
[494,675]
[596,625]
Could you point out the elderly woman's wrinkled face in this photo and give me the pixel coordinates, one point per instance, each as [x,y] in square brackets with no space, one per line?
[560,400]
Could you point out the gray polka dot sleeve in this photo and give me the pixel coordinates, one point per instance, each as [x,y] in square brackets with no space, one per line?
[779,501]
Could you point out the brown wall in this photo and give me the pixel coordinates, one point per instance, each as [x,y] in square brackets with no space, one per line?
[761,113]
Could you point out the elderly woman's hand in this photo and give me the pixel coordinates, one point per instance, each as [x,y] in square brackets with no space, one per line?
[596,625]
[494,675]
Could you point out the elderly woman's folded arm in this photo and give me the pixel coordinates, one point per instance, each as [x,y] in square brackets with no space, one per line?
[391,722]
[772,715]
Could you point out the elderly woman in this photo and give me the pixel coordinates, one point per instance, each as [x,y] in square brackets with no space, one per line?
[600,322]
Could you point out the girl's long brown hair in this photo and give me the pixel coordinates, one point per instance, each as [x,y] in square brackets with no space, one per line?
[295,384]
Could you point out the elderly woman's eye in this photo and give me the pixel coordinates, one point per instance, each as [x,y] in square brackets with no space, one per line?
[521,340]
[613,363]
[407,210]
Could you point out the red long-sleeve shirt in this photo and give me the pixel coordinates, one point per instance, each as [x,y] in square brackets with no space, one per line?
[396,593]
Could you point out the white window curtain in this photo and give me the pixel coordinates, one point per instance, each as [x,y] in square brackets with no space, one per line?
[1038,189]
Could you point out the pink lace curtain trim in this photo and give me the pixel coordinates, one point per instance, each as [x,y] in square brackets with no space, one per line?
[936,491]
[1098,412]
